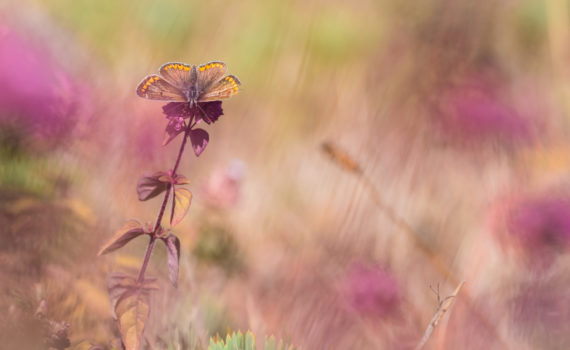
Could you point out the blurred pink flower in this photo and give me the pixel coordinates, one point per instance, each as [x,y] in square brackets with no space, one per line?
[542,221]
[35,95]
[474,112]
[371,290]
[222,190]
[538,227]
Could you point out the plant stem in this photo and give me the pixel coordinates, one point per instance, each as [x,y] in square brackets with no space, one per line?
[186,134]
[146,258]
[163,206]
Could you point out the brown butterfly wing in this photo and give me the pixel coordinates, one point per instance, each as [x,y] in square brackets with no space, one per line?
[209,74]
[154,87]
[178,74]
[225,88]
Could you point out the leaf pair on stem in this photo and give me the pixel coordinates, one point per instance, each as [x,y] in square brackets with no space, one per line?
[130,298]
[133,229]
[130,302]
[151,186]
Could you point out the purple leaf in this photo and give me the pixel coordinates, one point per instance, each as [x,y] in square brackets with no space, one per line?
[210,111]
[130,230]
[173,248]
[199,139]
[207,111]
[177,109]
[174,127]
[151,186]
[169,137]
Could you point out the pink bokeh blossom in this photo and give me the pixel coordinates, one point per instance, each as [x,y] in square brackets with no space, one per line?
[536,228]
[474,111]
[36,94]
[223,188]
[371,290]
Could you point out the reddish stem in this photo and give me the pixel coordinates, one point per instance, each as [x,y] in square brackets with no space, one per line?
[163,207]
[146,258]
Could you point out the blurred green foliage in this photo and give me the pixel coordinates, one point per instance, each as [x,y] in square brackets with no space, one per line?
[216,246]
[532,27]
[24,170]
[239,341]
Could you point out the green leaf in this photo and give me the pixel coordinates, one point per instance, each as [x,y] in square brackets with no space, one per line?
[269,343]
[130,305]
[130,230]
[249,341]
[119,283]
[173,254]
[151,186]
[180,205]
[132,310]
[239,341]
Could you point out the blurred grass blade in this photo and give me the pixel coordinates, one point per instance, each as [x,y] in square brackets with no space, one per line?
[341,157]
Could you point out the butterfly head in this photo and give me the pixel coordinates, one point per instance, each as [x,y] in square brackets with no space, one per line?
[192,92]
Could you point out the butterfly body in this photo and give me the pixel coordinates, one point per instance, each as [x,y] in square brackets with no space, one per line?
[189,83]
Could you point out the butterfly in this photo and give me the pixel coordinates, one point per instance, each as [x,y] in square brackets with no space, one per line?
[189,83]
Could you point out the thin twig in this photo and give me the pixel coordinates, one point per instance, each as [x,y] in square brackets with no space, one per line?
[442,307]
